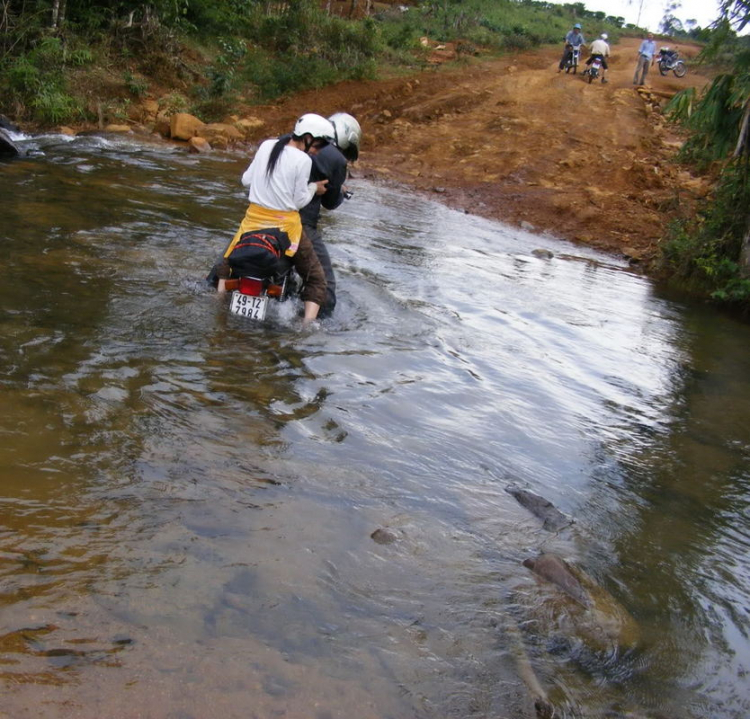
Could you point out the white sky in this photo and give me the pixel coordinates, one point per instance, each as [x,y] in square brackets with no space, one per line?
[652,11]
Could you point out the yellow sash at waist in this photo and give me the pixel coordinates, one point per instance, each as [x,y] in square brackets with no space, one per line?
[261,218]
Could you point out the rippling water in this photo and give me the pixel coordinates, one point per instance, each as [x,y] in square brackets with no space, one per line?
[187,499]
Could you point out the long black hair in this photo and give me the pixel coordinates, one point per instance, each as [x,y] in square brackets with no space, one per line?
[281,143]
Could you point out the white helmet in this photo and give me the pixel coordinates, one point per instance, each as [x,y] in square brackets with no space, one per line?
[604,36]
[316,126]
[348,134]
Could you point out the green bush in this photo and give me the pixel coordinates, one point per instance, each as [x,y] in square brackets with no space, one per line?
[516,42]
[223,73]
[81,56]
[304,48]
[35,82]
[704,252]
[293,45]
[278,75]
[23,76]
[55,107]
[137,86]
[173,102]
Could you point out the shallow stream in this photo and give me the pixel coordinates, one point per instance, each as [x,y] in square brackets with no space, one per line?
[188,500]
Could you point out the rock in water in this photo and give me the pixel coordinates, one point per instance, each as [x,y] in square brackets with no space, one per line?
[7,146]
[595,616]
[559,572]
[6,124]
[553,518]
[383,536]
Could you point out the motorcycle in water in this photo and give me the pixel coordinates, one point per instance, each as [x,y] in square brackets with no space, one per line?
[574,54]
[256,272]
[670,60]
[250,296]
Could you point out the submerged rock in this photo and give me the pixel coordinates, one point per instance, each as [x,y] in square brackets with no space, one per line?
[553,518]
[383,536]
[593,616]
[556,570]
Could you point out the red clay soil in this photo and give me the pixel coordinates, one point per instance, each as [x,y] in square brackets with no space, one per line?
[512,139]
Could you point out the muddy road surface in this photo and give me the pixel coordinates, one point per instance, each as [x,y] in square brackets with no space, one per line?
[513,139]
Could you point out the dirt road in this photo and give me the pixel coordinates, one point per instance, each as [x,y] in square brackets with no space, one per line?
[514,140]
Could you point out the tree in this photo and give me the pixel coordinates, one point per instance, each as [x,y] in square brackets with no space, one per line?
[670,24]
[618,21]
[735,12]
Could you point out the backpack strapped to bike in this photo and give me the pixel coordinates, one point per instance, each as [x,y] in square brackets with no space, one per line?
[258,253]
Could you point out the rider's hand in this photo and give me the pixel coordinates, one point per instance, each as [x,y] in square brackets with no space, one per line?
[322,187]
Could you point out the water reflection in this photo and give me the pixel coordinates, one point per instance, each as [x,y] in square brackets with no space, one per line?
[188,501]
[679,517]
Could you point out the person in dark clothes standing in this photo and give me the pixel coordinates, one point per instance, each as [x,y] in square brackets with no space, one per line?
[331,164]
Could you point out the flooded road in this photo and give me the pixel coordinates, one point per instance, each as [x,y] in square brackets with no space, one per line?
[190,503]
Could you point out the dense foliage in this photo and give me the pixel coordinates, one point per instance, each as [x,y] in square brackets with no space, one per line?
[68,60]
[711,251]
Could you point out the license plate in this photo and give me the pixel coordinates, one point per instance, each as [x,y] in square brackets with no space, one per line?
[248,306]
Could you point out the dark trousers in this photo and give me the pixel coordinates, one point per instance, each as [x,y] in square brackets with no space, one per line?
[567,55]
[325,260]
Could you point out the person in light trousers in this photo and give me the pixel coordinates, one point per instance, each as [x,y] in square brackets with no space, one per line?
[646,55]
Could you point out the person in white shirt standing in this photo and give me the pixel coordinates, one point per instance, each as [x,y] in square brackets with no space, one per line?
[600,49]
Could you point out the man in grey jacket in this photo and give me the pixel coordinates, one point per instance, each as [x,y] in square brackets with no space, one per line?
[574,39]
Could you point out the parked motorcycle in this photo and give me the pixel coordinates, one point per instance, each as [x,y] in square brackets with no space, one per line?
[670,60]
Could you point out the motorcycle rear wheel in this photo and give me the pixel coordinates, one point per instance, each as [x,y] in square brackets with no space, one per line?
[680,70]
[663,69]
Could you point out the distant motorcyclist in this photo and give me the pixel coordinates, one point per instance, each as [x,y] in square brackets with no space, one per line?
[600,50]
[574,39]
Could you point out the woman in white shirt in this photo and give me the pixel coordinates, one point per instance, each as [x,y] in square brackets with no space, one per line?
[278,178]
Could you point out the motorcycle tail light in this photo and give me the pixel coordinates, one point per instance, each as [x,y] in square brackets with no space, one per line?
[251,286]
